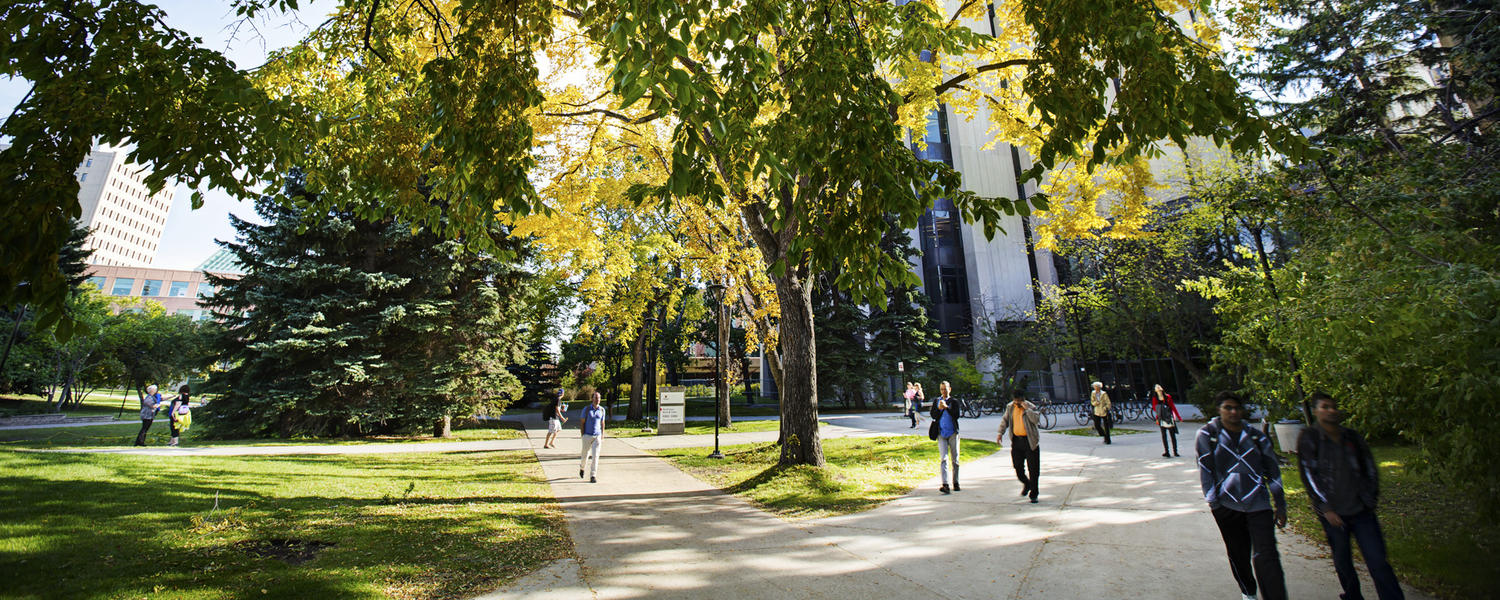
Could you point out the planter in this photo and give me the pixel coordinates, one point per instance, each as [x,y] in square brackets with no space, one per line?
[1287,432]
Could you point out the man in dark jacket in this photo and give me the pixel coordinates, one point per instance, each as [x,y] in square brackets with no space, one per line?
[945,417]
[1240,478]
[1342,481]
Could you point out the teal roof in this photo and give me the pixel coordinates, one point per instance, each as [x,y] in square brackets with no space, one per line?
[222,262]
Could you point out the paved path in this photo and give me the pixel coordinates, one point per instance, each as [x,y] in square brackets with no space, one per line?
[390,448]
[1114,521]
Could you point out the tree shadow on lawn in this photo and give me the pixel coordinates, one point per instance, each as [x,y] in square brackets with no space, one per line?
[111,526]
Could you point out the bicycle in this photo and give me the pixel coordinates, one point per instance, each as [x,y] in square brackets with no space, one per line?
[968,408]
[1047,419]
[1081,415]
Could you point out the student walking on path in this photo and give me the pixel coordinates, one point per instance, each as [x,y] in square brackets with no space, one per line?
[1240,479]
[911,406]
[1022,421]
[1166,419]
[150,404]
[1343,484]
[555,419]
[1099,399]
[593,438]
[945,416]
[178,417]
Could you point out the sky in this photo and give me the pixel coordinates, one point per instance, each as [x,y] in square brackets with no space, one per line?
[189,235]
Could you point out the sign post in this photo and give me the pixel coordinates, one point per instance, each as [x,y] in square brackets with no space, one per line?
[671,411]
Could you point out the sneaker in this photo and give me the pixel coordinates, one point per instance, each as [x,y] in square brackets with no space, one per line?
[945,489]
[1247,596]
[1165,455]
[1174,453]
[1033,500]
[592,480]
[1025,491]
[580,473]
[955,487]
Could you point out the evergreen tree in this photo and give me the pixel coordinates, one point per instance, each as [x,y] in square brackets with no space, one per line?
[348,326]
[902,332]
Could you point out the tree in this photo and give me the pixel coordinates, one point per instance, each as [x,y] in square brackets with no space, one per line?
[347,326]
[72,265]
[790,115]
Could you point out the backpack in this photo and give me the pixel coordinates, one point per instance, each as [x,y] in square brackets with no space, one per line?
[183,418]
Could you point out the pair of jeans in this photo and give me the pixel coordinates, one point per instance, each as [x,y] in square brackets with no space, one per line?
[140,438]
[1102,425]
[948,450]
[591,445]
[1165,431]
[912,412]
[1365,529]
[1027,461]
[1250,540]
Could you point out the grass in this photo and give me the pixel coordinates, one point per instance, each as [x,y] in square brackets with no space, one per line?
[1434,538]
[102,401]
[862,473]
[633,428]
[123,434]
[1089,431]
[393,526]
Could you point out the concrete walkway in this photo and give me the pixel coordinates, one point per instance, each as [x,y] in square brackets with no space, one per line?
[1114,521]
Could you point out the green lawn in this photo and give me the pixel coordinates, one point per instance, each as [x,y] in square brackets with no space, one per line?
[99,402]
[1435,539]
[395,526]
[862,473]
[123,434]
[1089,431]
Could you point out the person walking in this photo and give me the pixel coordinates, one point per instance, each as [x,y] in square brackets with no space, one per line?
[177,413]
[911,409]
[1240,479]
[150,404]
[1166,419]
[1099,399]
[1023,422]
[555,419]
[945,415]
[1342,481]
[593,438]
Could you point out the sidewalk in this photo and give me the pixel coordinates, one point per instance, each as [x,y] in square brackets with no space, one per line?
[1114,521]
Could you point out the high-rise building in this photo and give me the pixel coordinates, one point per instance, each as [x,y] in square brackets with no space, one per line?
[125,220]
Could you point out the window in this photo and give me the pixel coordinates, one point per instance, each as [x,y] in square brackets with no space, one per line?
[83,177]
[152,287]
[953,291]
[88,163]
[205,290]
[98,282]
[190,313]
[123,286]
[178,289]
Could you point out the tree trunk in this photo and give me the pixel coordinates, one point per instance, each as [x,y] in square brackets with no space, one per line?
[443,428]
[799,385]
[721,363]
[637,370]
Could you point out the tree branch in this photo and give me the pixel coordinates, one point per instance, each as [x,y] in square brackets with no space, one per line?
[369,25]
[962,77]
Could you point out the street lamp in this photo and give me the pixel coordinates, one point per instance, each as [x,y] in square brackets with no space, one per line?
[715,297]
[1071,297]
[651,386]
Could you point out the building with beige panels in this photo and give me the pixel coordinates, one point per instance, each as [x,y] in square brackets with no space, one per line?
[125,220]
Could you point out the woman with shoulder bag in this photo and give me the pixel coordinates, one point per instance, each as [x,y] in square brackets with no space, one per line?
[1166,419]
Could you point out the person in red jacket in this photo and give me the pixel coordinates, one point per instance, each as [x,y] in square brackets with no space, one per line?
[1166,419]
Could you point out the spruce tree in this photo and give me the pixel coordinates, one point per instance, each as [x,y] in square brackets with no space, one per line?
[347,326]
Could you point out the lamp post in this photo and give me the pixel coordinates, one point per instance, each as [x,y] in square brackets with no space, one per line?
[715,297]
[651,386]
[1072,300]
